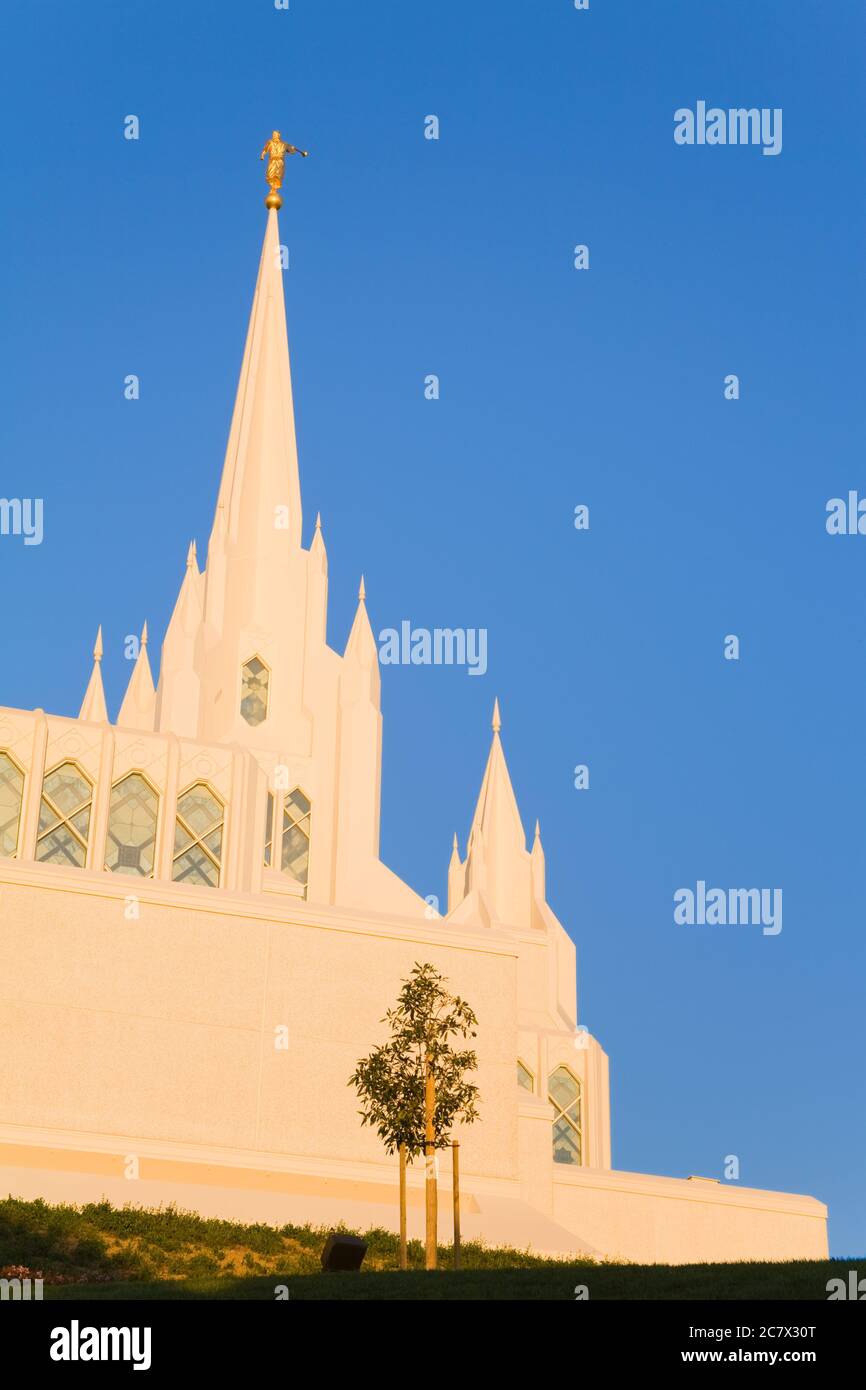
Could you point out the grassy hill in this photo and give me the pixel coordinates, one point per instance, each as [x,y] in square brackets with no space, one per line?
[102,1252]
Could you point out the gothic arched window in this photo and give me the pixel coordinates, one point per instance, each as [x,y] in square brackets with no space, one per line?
[64,817]
[255,679]
[295,854]
[11,791]
[198,837]
[564,1095]
[132,815]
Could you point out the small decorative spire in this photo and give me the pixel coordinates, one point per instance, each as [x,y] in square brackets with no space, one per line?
[360,678]
[191,558]
[93,705]
[497,720]
[138,707]
[456,878]
[362,590]
[538,870]
[317,545]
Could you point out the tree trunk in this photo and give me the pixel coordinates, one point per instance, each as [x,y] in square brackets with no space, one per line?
[403,1260]
[430,1164]
[455,1150]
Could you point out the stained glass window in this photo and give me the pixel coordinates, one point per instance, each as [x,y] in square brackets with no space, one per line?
[564,1095]
[132,818]
[295,855]
[11,790]
[255,678]
[64,817]
[198,838]
[525,1077]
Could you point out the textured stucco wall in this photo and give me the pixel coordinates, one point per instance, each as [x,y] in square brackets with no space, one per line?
[164,1027]
[634,1216]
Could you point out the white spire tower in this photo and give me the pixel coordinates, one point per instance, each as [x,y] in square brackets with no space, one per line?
[93,706]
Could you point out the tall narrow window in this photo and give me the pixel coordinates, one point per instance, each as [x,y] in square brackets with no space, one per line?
[198,838]
[269,831]
[255,678]
[564,1095]
[132,818]
[11,790]
[525,1078]
[295,857]
[64,817]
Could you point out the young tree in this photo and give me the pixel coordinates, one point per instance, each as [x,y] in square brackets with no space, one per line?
[391,1101]
[413,1088]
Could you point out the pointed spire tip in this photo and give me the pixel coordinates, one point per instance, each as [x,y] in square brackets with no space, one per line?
[497,719]
[97,646]
[362,590]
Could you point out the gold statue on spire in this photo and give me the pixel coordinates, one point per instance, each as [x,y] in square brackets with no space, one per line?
[276,149]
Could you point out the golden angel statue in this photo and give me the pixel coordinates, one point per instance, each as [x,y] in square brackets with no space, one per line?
[276,149]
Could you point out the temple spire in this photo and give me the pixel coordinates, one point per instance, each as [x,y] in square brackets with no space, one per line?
[317,545]
[259,505]
[177,695]
[139,703]
[262,593]
[456,884]
[361,657]
[536,858]
[93,707]
[497,818]
[496,879]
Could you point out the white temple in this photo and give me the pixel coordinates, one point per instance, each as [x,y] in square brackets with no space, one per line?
[198,939]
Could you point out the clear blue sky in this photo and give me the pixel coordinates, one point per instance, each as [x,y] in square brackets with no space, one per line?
[454,257]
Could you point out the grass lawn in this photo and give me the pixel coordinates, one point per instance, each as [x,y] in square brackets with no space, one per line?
[103,1252]
[806,1280]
